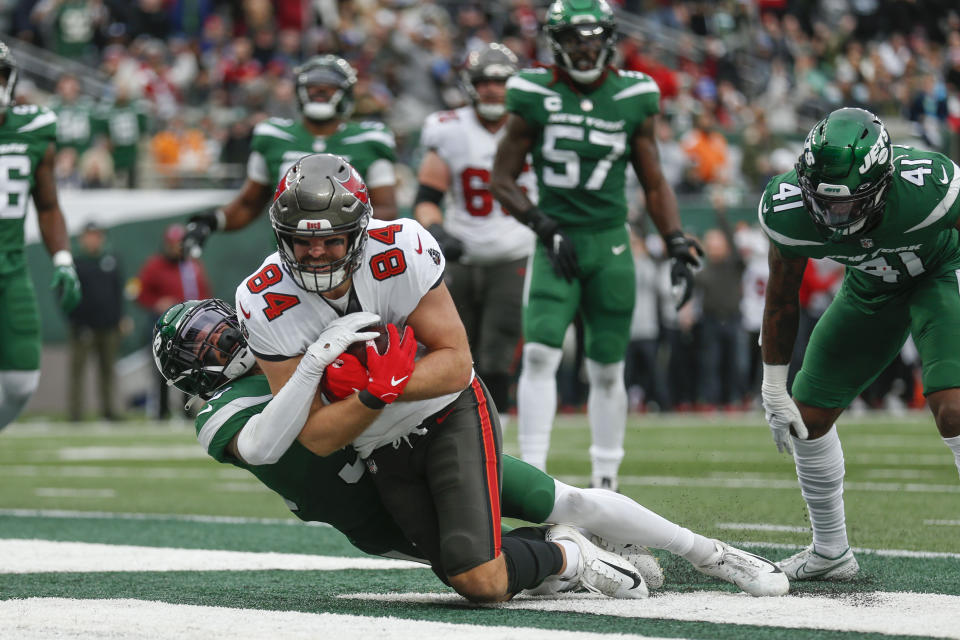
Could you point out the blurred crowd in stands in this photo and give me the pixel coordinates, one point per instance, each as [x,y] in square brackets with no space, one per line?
[742,81]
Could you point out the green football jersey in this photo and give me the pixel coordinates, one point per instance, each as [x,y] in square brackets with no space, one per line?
[75,124]
[124,125]
[25,135]
[278,143]
[334,489]
[915,237]
[582,147]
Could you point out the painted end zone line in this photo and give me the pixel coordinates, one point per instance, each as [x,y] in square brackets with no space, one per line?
[43,556]
[66,618]
[908,614]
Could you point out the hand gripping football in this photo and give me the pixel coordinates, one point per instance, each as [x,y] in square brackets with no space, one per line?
[381,342]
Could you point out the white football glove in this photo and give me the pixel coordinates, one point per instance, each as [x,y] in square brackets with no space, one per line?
[336,337]
[779,409]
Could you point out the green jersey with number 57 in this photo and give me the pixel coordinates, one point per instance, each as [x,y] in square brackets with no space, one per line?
[582,147]
[916,235]
[25,135]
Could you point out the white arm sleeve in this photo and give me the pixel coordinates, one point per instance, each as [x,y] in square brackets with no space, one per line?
[266,437]
[381,174]
[257,168]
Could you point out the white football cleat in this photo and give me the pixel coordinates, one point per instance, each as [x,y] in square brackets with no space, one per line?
[600,571]
[810,565]
[639,556]
[551,586]
[753,574]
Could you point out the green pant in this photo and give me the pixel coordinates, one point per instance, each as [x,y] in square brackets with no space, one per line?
[604,295]
[849,347]
[19,323]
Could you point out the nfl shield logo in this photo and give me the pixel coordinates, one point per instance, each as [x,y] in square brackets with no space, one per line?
[866,243]
[371,465]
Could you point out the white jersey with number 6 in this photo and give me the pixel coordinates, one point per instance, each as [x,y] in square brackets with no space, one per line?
[474,216]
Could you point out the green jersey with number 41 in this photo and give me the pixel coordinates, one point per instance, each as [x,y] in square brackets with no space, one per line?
[915,236]
[582,147]
[25,135]
[278,143]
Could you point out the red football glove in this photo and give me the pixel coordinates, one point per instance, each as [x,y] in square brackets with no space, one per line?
[390,372]
[344,377]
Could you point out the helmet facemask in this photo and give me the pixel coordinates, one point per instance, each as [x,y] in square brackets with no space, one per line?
[329,71]
[844,173]
[493,63]
[8,68]
[574,45]
[321,196]
[199,347]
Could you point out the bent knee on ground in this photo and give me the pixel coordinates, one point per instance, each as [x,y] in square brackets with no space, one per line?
[485,583]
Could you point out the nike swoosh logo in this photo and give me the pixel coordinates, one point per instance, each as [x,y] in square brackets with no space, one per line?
[209,407]
[246,314]
[945,178]
[394,382]
[617,250]
[419,248]
[444,416]
[630,574]
[803,573]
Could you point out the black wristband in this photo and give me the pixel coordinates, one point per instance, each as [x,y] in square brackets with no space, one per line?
[426,193]
[370,401]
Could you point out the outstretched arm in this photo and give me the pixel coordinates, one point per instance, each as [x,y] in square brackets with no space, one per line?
[508,165]
[779,332]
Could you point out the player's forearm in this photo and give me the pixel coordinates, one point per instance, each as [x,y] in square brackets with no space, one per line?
[336,425]
[662,206]
[511,197]
[779,332]
[438,373]
[248,204]
[53,230]
[781,312]
[428,214]
[384,202]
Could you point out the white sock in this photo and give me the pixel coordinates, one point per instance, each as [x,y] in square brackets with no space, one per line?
[954,444]
[619,519]
[572,555]
[607,412]
[820,472]
[16,387]
[537,402]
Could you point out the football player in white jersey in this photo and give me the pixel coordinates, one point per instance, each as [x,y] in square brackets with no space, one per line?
[486,248]
[434,455]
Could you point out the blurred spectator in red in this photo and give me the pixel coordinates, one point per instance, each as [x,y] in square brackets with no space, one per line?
[165,279]
[635,60]
[821,281]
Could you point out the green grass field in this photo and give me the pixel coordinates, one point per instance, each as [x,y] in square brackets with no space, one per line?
[96,524]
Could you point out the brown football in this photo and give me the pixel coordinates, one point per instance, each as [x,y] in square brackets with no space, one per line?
[359,349]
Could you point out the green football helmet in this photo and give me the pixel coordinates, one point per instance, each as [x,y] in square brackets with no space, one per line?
[582,36]
[328,70]
[199,346]
[844,173]
[8,69]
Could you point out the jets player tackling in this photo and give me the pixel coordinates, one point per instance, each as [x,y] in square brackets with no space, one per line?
[200,349]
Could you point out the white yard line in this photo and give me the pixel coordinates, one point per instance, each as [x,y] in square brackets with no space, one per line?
[67,492]
[760,526]
[909,614]
[44,556]
[43,618]
[109,515]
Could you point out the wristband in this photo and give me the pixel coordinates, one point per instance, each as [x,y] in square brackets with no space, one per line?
[62,258]
[775,374]
[370,401]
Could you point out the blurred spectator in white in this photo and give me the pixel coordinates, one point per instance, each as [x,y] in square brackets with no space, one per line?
[752,244]
[673,159]
[645,385]
[74,115]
